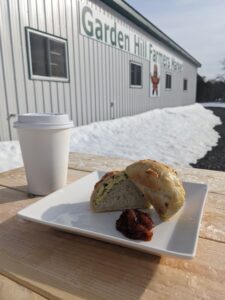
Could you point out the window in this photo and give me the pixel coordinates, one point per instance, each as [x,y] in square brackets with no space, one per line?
[168,81]
[47,56]
[135,75]
[185,85]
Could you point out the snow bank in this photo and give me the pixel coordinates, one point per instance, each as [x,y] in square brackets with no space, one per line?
[177,136]
[10,156]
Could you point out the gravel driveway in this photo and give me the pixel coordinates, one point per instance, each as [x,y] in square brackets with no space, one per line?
[215,159]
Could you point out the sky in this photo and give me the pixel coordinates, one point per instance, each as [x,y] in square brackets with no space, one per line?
[198,26]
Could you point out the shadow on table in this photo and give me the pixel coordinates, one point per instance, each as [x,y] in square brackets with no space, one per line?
[14,194]
[77,265]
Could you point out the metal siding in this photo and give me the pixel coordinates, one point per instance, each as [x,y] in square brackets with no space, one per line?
[80,95]
[122,97]
[90,80]
[39,99]
[57,31]
[86,78]
[105,54]
[94,83]
[4,124]
[99,74]
[137,100]
[42,26]
[55,86]
[118,85]
[111,97]
[72,66]
[120,77]
[82,80]
[132,89]
[114,82]
[103,88]
[50,29]
[167,98]
[129,90]
[126,82]
[29,84]
[8,65]
[63,32]
[17,56]
[96,67]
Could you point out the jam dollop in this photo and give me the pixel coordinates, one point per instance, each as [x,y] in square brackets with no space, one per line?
[135,224]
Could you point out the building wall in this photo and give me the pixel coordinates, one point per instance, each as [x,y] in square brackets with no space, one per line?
[99,74]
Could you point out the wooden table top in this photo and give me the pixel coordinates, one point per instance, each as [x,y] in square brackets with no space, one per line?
[38,262]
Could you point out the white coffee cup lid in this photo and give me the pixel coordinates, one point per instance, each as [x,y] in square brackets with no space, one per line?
[43,121]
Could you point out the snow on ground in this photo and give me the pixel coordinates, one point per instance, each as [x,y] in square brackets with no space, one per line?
[10,155]
[213,104]
[178,136]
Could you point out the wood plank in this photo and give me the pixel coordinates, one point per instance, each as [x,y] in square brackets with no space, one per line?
[214,179]
[19,244]
[71,265]
[10,289]
[213,221]
[62,265]
[212,226]
[16,178]
[11,201]
[91,162]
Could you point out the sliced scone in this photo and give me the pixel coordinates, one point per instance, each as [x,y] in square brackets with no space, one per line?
[160,185]
[116,192]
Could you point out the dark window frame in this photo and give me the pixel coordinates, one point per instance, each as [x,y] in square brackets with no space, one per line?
[170,76]
[136,86]
[185,86]
[51,37]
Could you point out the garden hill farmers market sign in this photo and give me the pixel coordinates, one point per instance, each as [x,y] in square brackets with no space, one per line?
[99,26]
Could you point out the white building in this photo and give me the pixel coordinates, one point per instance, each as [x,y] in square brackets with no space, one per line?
[95,60]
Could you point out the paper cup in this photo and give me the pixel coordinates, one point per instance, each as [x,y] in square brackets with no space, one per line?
[44,141]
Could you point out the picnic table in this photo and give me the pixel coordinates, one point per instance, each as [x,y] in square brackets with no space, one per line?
[38,262]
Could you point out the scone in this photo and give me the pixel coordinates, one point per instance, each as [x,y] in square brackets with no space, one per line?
[116,192]
[160,185]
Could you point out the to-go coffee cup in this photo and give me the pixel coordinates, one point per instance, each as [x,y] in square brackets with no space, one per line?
[44,141]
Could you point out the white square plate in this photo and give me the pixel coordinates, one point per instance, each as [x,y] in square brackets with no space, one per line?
[68,209]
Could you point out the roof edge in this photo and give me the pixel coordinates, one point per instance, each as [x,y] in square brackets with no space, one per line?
[133,15]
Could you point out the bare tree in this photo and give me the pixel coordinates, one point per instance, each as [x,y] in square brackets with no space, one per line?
[221,77]
[223,64]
